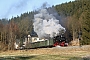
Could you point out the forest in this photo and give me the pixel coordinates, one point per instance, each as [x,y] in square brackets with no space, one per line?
[75,17]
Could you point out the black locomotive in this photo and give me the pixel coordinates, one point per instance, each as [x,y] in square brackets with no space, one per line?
[60,41]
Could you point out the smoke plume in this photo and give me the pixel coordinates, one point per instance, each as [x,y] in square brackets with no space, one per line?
[46,25]
[16,8]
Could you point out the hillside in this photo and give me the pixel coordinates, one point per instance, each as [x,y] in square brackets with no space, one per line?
[74,16]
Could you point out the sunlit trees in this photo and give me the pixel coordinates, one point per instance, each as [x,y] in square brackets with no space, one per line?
[13,32]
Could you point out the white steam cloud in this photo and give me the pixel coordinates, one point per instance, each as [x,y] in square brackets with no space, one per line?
[46,25]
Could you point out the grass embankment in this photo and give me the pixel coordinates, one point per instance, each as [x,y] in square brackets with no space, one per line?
[62,53]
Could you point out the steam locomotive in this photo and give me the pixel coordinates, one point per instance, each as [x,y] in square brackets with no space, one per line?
[59,40]
[51,42]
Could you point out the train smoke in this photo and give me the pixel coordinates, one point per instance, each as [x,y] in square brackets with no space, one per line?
[46,25]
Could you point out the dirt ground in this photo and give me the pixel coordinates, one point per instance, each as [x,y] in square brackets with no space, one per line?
[70,51]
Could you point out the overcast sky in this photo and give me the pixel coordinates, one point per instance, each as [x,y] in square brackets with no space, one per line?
[9,8]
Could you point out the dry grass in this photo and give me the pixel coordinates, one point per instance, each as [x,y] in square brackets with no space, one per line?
[62,53]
